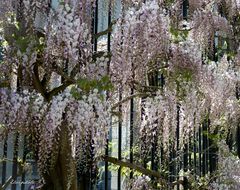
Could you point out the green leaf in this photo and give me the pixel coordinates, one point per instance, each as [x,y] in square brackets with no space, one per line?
[22,43]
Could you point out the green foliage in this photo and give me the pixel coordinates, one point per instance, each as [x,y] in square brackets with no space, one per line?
[103,84]
[22,43]
[10,28]
[3,44]
[178,35]
[169,2]
[180,81]
[178,77]
[13,36]
[113,167]
[86,86]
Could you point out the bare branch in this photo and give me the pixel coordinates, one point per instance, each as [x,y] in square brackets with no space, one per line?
[37,82]
[129,98]
[143,170]
[105,32]
[57,90]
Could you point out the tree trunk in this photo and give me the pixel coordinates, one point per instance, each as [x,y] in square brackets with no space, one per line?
[63,175]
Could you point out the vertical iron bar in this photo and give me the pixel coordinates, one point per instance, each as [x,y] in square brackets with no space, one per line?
[178,147]
[109,24]
[238,140]
[131,131]
[131,122]
[185,166]
[213,157]
[204,143]
[25,150]
[4,163]
[207,151]
[119,142]
[200,149]
[189,152]
[195,152]
[95,26]
[238,128]
[213,154]
[172,155]
[185,9]
[15,164]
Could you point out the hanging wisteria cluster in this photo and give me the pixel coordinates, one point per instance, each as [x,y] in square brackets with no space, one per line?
[87,120]
[181,72]
[199,81]
[215,98]
[45,65]
[139,44]
[140,182]
[199,85]
[229,176]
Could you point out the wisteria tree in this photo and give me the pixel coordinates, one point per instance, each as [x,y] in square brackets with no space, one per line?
[58,89]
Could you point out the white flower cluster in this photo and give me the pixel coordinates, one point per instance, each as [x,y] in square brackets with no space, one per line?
[72,32]
[219,87]
[139,183]
[97,69]
[88,119]
[16,109]
[139,42]
[159,120]
[29,10]
[213,94]
[205,25]
[68,37]
[229,170]
[191,113]
[91,119]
